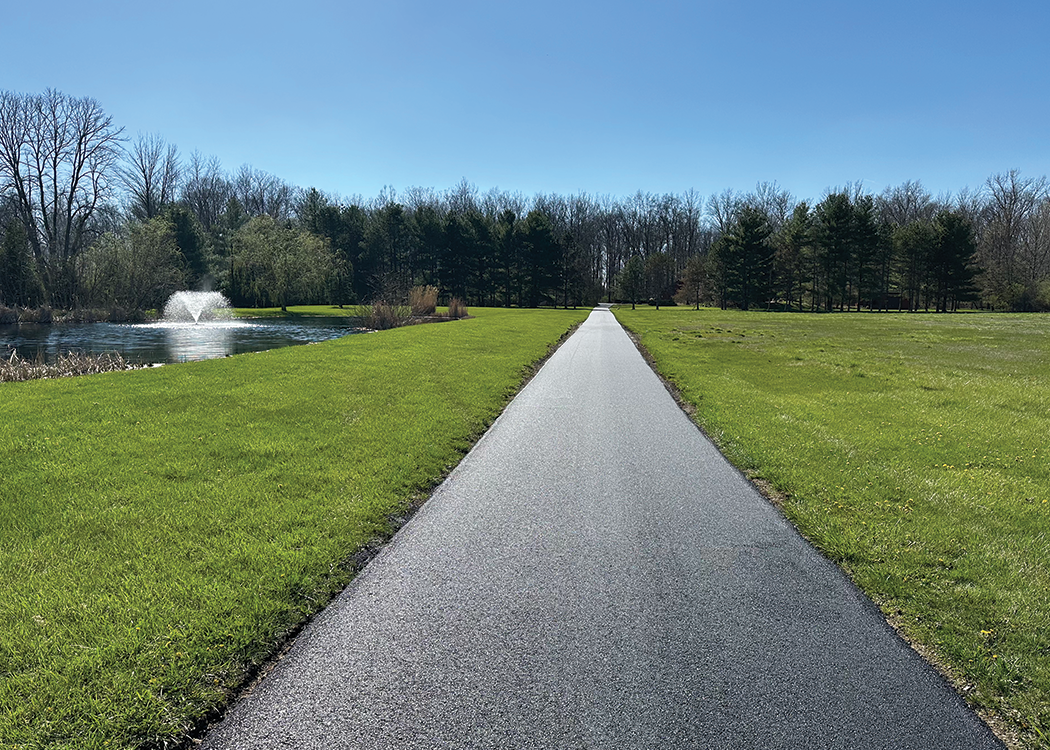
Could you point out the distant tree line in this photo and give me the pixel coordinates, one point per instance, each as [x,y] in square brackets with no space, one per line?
[90,218]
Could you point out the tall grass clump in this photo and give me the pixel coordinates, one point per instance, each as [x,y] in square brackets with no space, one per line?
[423,300]
[382,316]
[913,450]
[457,308]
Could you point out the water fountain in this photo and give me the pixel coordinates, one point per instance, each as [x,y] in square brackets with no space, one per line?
[194,307]
[199,325]
[195,325]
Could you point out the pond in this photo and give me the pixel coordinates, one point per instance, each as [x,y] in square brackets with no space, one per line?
[168,342]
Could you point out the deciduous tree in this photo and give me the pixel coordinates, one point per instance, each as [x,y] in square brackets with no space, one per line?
[150,176]
[136,268]
[278,265]
[58,157]
[1011,209]
[693,281]
[631,279]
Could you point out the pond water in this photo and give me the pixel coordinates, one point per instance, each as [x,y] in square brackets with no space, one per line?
[165,342]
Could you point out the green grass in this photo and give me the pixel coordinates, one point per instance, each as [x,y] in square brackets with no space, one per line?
[914,450]
[162,530]
[297,311]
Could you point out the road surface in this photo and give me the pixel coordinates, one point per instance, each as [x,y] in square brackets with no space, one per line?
[594,574]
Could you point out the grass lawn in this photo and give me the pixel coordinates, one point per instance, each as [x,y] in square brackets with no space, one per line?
[914,450]
[162,530]
[311,311]
[297,311]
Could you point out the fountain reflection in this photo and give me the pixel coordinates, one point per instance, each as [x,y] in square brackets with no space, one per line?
[191,342]
[199,325]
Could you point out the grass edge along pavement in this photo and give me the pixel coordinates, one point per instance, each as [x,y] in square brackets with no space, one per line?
[910,449]
[163,530]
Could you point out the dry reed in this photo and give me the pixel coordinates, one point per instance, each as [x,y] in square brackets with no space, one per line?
[70,364]
[380,316]
[423,300]
[457,308]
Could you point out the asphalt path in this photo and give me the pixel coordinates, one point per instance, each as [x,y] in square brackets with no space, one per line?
[594,574]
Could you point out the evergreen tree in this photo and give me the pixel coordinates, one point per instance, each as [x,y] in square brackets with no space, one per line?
[951,271]
[833,235]
[865,247]
[540,254]
[747,256]
[343,227]
[507,243]
[913,247]
[190,239]
[792,243]
[20,282]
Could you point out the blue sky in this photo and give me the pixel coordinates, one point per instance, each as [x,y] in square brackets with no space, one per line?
[562,97]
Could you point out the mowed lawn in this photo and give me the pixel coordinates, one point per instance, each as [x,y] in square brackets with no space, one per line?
[915,451]
[162,530]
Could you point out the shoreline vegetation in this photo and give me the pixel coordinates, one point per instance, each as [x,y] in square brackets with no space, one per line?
[910,449]
[166,530]
[45,315]
[14,369]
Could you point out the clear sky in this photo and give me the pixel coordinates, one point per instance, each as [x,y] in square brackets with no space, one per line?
[562,96]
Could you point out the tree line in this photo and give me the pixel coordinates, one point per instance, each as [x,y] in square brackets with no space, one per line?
[91,218]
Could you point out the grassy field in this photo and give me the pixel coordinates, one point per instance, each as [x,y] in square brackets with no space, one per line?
[297,311]
[161,531]
[915,451]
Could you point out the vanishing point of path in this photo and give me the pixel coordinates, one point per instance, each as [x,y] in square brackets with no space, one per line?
[595,575]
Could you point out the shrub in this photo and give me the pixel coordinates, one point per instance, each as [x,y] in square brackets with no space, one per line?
[8,315]
[457,308]
[423,300]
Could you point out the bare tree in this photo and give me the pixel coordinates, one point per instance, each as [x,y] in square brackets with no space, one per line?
[416,198]
[1011,214]
[495,201]
[463,198]
[150,175]
[263,193]
[723,209]
[58,156]
[690,224]
[775,202]
[205,189]
[905,203]
[1034,260]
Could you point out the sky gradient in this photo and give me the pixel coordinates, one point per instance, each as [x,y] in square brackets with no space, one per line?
[562,97]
